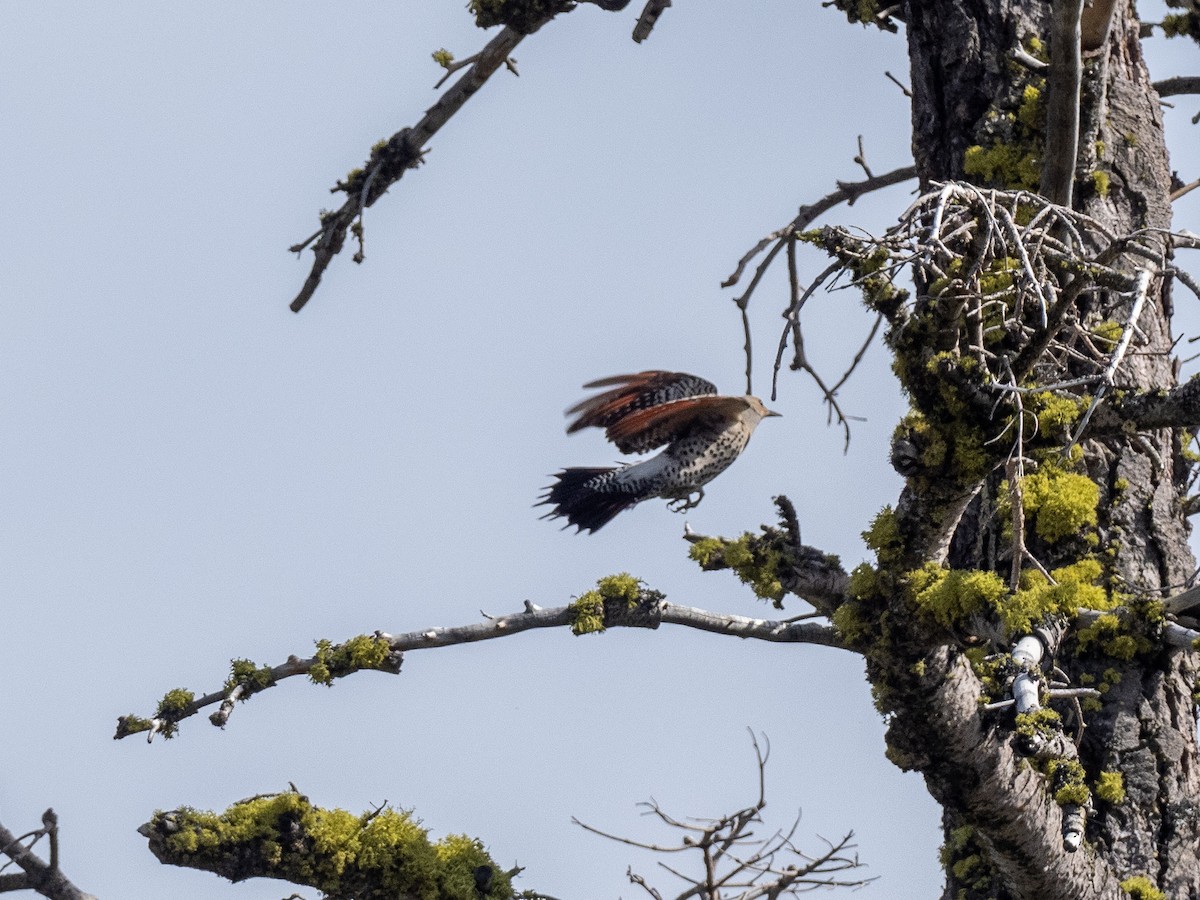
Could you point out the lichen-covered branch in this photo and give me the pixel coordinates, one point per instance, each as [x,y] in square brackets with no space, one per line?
[381,855]
[618,601]
[390,159]
[776,562]
[45,878]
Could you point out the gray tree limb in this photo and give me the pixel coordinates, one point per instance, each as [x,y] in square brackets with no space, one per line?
[391,159]
[1183,84]
[1062,102]
[649,611]
[1178,407]
[36,875]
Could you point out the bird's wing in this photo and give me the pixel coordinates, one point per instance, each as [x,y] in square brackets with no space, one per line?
[633,393]
[645,429]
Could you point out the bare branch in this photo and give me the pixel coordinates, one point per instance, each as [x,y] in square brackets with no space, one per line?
[1062,102]
[1184,84]
[38,876]
[847,192]
[1185,190]
[649,17]
[731,858]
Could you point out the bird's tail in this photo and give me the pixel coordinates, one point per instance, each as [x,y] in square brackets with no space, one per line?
[579,496]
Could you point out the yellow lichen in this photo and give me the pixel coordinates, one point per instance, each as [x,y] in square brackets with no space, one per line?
[1110,787]
[951,596]
[1061,503]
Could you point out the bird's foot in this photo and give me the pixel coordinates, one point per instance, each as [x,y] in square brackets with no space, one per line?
[683,504]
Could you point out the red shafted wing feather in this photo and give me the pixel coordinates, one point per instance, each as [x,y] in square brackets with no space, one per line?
[633,393]
[645,429]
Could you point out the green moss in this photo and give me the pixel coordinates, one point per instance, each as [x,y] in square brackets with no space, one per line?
[1056,414]
[244,673]
[951,596]
[364,651]
[854,627]
[1110,636]
[587,610]
[127,725]
[884,536]
[1041,723]
[757,563]
[1068,782]
[622,586]
[1061,503]
[1139,887]
[963,856]
[378,855]
[1037,598]
[1029,113]
[174,703]
[443,57]
[864,582]
[1182,25]
[1072,795]
[1110,787]
[1008,165]
[587,613]
[173,706]
[1100,180]
[996,279]
[706,550]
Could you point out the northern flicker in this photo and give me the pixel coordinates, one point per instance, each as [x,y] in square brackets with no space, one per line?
[703,433]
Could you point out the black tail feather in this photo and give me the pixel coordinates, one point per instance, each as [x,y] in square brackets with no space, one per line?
[575,497]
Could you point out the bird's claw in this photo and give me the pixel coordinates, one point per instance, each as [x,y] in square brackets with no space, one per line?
[683,504]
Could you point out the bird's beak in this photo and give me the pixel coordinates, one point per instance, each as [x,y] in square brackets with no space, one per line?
[771,412]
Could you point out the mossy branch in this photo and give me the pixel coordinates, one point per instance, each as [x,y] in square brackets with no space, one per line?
[381,854]
[618,601]
[776,562]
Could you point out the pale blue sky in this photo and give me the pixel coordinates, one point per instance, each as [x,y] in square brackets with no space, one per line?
[193,473]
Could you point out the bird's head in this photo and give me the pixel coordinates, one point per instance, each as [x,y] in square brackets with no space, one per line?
[760,409]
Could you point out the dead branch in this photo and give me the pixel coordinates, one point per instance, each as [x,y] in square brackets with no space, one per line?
[36,875]
[736,865]
[1184,84]
[649,17]
[847,192]
[1062,102]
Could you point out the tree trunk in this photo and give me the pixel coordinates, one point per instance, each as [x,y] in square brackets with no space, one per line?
[1002,827]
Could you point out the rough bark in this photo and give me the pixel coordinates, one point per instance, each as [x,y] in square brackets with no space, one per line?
[961,56]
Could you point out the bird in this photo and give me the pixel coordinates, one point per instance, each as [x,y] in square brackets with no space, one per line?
[703,432]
